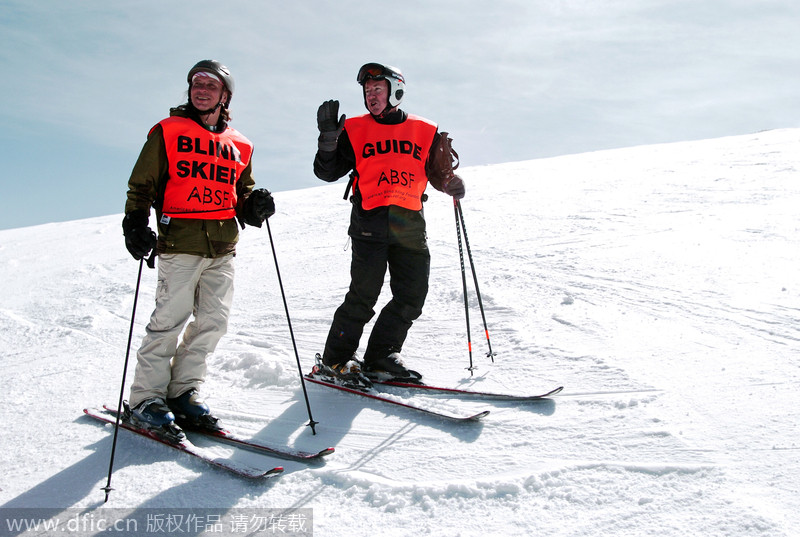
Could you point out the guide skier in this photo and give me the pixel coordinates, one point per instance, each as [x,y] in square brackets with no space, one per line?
[393,155]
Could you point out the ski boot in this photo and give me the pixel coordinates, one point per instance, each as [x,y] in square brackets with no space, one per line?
[154,415]
[390,368]
[192,412]
[348,374]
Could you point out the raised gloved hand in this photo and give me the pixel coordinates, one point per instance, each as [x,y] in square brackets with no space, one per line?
[329,127]
[455,187]
[259,206]
[139,238]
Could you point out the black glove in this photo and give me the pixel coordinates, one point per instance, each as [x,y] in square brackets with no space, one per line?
[455,187]
[139,238]
[259,206]
[329,128]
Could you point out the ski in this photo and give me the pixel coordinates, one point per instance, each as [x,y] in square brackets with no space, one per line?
[372,394]
[251,444]
[467,393]
[257,446]
[185,446]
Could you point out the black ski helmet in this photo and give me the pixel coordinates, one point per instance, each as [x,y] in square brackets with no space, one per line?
[216,68]
[377,71]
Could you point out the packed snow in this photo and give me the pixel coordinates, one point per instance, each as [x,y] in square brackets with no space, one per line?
[657,284]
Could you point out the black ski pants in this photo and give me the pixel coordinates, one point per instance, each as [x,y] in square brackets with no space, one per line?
[409,269]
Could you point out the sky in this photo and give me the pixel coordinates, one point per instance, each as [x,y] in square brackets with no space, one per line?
[510,80]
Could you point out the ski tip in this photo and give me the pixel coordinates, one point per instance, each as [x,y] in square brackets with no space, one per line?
[273,472]
[325,452]
[479,416]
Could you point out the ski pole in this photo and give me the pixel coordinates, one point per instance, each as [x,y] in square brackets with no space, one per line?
[460,212]
[108,488]
[464,284]
[311,422]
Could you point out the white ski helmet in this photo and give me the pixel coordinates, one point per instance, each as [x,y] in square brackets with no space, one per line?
[377,71]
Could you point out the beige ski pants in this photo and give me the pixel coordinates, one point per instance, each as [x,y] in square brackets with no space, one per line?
[187,285]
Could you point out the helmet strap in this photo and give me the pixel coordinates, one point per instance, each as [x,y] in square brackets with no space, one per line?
[203,114]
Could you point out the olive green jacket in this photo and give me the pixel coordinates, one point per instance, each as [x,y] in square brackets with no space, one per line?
[206,238]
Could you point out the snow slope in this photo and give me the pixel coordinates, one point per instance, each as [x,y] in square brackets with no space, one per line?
[658,284]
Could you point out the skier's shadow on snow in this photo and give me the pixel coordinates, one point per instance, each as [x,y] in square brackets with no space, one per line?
[335,413]
[332,422]
[82,480]
[85,478]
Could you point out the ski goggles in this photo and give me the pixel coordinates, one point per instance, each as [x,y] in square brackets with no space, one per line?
[376,71]
[206,74]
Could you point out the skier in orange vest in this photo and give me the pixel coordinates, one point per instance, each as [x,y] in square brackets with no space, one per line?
[195,170]
[392,158]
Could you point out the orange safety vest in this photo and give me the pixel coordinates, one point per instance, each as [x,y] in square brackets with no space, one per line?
[390,160]
[204,167]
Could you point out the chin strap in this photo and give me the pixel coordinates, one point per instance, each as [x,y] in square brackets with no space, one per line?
[384,113]
[209,112]
[206,113]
